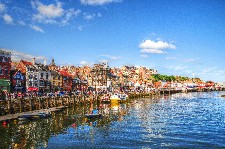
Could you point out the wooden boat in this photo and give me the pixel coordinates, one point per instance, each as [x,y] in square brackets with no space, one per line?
[90,116]
[94,114]
[31,116]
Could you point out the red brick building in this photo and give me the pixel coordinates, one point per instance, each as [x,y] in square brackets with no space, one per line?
[5,67]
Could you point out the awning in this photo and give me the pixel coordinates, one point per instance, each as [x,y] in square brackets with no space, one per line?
[32,89]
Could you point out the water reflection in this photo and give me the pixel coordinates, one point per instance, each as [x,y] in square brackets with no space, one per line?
[33,134]
[166,121]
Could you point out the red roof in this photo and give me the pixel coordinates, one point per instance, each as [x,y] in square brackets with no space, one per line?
[65,73]
[27,63]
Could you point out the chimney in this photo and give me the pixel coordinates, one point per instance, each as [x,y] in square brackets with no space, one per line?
[33,61]
[53,61]
[45,62]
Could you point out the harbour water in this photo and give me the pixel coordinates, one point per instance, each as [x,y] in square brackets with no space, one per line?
[183,120]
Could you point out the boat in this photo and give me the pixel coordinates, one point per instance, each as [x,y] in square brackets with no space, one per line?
[105,99]
[94,114]
[91,115]
[31,116]
[115,98]
[123,97]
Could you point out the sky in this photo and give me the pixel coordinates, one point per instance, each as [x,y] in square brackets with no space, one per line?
[175,37]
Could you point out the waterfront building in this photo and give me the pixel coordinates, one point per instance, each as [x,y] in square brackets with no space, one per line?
[99,76]
[5,67]
[56,80]
[43,77]
[66,80]
[37,76]
[18,81]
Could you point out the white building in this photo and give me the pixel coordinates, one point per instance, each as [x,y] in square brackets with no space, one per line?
[38,77]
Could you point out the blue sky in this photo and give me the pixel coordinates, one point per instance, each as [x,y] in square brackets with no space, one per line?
[178,37]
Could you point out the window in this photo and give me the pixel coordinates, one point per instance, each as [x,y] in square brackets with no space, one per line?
[58,77]
[46,76]
[35,84]
[6,59]
[0,69]
[30,83]
[18,83]
[6,71]
[30,76]
[1,58]
[41,75]
[42,83]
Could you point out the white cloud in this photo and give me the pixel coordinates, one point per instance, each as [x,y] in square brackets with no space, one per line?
[2,7]
[69,14]
[37,28]
[21,23]
[191,60]
[98,2]
[8,19]
[91,16]
[53,13]
[156,51]
[149,46]
[171,58]
[85,63]
[103,61]
[17,56]
[111,57]
[99,14]
[80,27]
[144,55]
[177,67]
[50,11]
[211,74]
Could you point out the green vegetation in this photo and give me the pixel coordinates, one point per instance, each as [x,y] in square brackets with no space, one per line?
[159,77]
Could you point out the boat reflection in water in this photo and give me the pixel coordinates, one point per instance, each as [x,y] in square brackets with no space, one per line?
[37,133]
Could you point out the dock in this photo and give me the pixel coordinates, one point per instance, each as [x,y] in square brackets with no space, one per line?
[16,115]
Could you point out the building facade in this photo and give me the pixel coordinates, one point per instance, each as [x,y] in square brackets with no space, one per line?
[5,67]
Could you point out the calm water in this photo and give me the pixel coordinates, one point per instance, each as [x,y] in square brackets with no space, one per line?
[193,120]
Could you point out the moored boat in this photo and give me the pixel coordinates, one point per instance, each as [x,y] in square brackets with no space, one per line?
[115,98]
[123,97]
[31,116]
[94,114]
[105,99]
[90,116]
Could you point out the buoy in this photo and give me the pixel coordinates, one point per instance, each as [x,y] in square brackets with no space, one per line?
[74,125]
